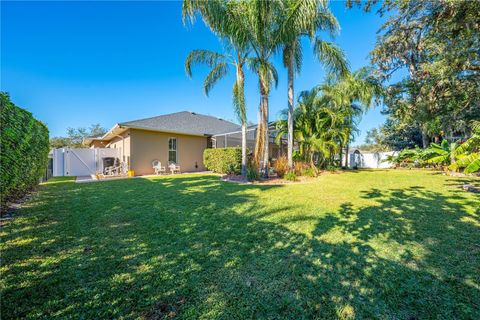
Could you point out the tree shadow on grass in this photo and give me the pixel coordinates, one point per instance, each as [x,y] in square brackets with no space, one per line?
[194,247]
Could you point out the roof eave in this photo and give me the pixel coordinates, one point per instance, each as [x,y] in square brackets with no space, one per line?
[165,131]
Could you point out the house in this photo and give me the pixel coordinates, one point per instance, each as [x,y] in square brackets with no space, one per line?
[179,138]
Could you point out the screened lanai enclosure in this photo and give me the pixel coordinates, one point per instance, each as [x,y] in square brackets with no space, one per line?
[234,139]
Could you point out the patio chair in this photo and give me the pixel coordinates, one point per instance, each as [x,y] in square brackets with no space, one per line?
[119,168]
[174,168]
[157,166]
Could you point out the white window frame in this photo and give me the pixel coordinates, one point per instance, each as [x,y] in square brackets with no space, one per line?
[176,150]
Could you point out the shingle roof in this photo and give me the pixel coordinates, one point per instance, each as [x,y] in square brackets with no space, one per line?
[185,122]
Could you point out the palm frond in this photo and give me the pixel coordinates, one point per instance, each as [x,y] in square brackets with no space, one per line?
[239,101]
[331,56]
[206,57]
[218,72]
[470,161]
[474,166]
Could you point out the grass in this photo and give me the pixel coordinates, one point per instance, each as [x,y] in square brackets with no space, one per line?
[393,244]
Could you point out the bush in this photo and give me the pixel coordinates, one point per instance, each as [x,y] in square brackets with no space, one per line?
[309,172]
[223,160]
[281,166]
[300,166]
[252,173]
[290,176]
[332,168]
[24,148]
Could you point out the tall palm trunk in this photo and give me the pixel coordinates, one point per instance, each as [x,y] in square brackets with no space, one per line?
[244,150]
[341,154]
[242,111]
[259,136]
[290,112]
[346,156]
[266,137]
[425,139]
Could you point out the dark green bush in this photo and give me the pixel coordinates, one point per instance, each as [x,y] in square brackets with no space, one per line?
[223,160]
[24,151]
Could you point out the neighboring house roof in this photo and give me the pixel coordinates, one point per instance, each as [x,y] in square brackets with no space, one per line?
[184,122]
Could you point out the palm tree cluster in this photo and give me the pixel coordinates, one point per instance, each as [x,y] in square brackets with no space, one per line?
[326,118]
[253,32]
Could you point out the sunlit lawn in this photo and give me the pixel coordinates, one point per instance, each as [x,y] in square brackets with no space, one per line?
[369,244]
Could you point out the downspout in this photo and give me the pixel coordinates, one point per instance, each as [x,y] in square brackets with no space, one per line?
[123,147]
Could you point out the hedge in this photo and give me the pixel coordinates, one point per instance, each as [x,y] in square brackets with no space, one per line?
[223,160]
[24,150]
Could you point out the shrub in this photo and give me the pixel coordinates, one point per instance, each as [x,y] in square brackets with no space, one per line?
[300,166]
[290,176]
[223,160]
[24,148]
[252,173]
[309,172]
[281,166]
[332,168]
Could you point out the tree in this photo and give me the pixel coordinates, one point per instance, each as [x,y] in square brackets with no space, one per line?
[313,18]
[326,117]
[315,129]
[353,94]
[75,136]
[262,25]
[436,42]
[226,20]
[398,135]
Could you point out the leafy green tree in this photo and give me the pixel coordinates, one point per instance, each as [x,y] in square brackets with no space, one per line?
[397,135]
[75,136]
[436,43]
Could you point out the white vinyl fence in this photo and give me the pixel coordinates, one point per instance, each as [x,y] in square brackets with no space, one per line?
[80,162]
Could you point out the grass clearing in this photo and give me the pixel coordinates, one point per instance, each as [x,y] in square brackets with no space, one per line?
[393,244]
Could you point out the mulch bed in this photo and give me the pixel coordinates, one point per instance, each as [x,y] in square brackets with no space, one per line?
[272,180]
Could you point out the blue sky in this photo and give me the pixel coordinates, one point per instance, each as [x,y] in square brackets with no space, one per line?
[73,64]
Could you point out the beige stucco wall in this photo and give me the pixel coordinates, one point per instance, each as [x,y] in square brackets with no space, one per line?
[146,146]
[123,144]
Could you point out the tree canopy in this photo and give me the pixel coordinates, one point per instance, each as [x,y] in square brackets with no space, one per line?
[437,45]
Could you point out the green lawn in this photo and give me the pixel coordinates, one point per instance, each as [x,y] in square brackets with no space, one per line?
[368,244]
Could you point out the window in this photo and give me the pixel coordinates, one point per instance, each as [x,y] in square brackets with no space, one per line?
[172,150]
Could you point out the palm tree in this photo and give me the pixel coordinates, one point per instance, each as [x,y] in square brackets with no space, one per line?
[271,24]
[326,117]
[318,127]
[313,18]
[354,93]
[224,19]
[263,29]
